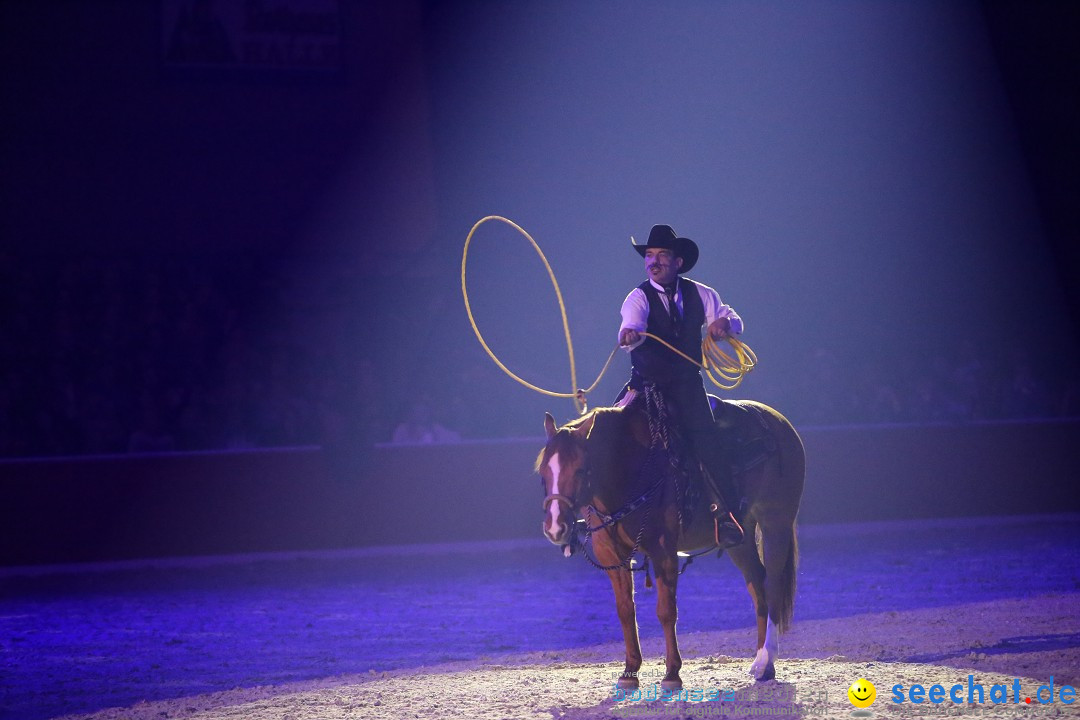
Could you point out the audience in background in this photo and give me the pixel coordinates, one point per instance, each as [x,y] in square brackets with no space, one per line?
[106,354]
[420,427]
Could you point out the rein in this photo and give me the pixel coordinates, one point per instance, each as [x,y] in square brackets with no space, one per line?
[609,521]
[660,444]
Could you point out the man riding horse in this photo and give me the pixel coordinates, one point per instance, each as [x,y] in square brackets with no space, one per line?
[676,309]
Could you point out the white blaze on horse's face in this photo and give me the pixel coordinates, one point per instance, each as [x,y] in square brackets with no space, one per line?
[554,528]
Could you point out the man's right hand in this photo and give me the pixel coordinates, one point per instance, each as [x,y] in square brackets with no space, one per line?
[629,336]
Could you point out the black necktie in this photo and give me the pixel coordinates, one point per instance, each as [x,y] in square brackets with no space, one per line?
[673,309]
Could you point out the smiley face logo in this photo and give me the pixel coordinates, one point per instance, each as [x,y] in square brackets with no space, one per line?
[862,693]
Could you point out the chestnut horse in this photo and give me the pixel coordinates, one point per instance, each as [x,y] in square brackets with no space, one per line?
[599,468]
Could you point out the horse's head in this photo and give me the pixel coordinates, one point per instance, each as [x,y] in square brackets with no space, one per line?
[563,470]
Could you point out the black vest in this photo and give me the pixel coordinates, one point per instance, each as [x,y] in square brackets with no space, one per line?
[652,362]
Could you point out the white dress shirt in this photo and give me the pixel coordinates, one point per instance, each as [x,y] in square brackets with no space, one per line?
[635,309]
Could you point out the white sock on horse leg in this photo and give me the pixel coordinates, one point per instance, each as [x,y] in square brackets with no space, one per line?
[767,654]
[772,640]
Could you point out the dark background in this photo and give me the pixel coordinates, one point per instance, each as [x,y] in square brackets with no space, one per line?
[214,257]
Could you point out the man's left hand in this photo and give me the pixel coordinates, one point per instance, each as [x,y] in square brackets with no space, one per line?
[719,328]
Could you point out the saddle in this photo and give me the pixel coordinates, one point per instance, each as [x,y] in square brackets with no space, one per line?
[745,441]
[744,434]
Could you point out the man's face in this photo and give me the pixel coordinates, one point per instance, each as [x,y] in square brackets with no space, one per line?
[661,266]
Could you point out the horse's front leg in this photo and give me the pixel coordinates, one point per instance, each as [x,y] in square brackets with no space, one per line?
[667,580]
[622,583]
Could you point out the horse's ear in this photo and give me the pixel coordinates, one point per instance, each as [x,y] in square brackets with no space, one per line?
[549,425]
[584,430]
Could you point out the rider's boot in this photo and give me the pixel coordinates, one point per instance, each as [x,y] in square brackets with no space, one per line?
[727,511]
[707,441]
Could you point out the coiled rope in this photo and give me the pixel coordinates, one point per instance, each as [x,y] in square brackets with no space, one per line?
[722,370]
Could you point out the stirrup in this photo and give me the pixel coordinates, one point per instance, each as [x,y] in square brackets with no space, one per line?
[727,530]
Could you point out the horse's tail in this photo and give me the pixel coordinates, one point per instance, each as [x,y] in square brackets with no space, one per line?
[793,471]
[782,606]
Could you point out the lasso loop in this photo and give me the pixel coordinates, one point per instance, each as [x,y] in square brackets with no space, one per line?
[578,395]
[714,361]
[717,364]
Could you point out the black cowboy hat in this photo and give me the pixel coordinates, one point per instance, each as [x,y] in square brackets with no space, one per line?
[663,237]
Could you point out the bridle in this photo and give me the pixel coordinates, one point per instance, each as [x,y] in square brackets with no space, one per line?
[571,503]
[562,499]
[582,530]
[660,461]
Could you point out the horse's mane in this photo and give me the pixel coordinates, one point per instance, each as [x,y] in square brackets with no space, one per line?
[568,446]
[595,415]
[611,441]
[563,443]
[615,443]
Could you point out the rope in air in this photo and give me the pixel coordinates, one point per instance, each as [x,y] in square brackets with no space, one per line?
[722,370]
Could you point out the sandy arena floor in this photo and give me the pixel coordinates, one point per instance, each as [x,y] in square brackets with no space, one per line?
[516,631]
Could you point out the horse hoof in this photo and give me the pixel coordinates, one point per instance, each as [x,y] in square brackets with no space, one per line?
[762,668]
[675,684]
[628,683]
[769,673]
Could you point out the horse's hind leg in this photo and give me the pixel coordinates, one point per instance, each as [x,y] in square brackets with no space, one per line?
[745,557]
[622,583]
[772,586]
[779,550]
